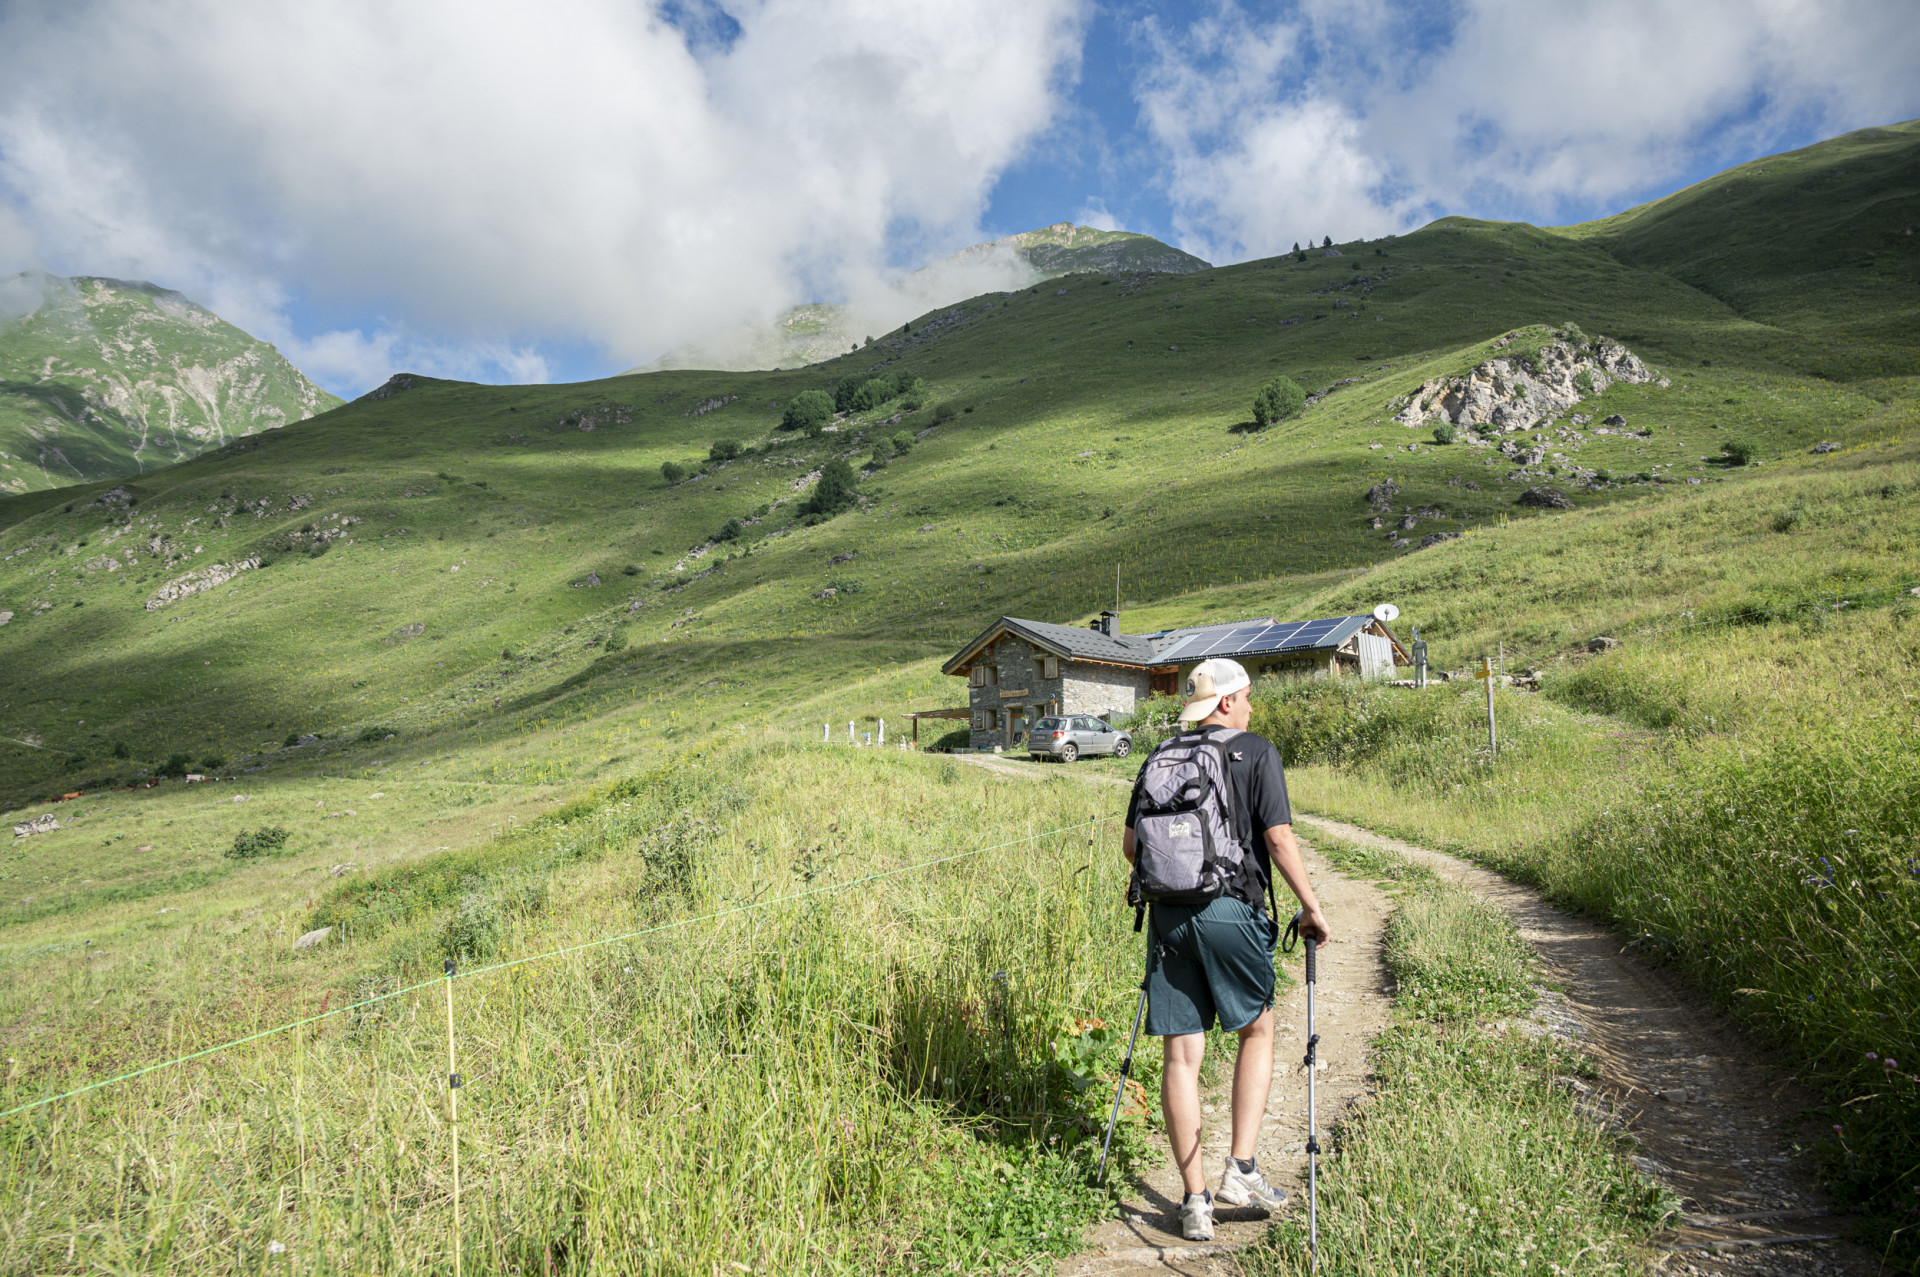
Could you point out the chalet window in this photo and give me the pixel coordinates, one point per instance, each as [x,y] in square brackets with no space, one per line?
[1049,667]
[984,676]
[981,721]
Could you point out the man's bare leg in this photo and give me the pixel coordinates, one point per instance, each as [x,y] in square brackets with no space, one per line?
[1252,1080]
[1180,1102]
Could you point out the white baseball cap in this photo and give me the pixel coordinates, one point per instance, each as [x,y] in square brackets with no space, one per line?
[1210,682]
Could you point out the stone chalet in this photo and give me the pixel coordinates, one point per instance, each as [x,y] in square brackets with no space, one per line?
[1019,670]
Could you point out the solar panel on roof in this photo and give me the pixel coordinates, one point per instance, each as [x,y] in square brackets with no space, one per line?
[1257,640]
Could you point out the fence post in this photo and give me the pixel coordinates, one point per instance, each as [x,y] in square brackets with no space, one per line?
[453,1115]
[1486,672]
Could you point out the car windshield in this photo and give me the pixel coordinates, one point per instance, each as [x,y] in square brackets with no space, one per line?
[1047,725]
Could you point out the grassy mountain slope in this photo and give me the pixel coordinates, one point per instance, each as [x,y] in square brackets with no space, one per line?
[480,601]
[1823,241]
[819,331]
[106,377]
[1089,429]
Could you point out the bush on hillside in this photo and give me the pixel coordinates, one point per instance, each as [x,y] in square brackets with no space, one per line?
[902,443]
[616,641]
[809,411]
[178,763]
[257,843]
[1279,399]
[866,391]
[672,471]
[1739,452]
[943,414]
[729,531]
[832,494]
[1445,433]
[723,450]
[213,762]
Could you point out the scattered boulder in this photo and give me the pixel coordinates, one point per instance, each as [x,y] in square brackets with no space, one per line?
[1545,498]
[1615,420]
[1407,522]
[411,630]
[1818,447]
[38,825]
[5,617]
[313,938]
[1601,644]
[1435,538]
[1380,496]
[838,559]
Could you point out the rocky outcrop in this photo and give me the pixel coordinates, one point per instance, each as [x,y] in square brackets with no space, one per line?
[1524,391]
[1545,499]
[206,578]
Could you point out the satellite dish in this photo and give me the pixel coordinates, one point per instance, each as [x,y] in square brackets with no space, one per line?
[1386,613]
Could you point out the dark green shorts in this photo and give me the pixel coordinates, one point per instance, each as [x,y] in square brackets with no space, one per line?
[1211,961]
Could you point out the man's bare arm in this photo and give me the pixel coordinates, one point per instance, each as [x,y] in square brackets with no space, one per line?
[1284,852]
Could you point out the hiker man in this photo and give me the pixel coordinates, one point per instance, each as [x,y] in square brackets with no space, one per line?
[1211,945]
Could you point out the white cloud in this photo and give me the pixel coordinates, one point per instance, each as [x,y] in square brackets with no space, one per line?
[1094,213]
[498,174]
[1356,119]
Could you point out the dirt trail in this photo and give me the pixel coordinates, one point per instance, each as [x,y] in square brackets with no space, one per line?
[1715,1120]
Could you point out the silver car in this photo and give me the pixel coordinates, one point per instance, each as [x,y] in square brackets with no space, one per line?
[1067,737]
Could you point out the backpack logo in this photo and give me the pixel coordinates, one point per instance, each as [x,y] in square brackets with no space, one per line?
[1182,829]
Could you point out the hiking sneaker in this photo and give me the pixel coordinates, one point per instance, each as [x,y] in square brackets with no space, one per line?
[1249,1188]
[1196,1217]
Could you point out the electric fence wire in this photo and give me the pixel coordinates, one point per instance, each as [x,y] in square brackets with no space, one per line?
[541,957]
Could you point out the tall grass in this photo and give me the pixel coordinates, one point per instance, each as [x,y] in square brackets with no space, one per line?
[850,1080]
[1752,817]
[1473,1154]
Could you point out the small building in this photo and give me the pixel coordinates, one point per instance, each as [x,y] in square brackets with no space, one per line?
[1019,670]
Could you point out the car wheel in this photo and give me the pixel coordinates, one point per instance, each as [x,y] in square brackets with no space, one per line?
[1122,747]
[1069,752]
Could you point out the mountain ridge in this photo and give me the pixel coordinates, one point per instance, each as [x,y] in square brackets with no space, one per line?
[816,331]
[102,378]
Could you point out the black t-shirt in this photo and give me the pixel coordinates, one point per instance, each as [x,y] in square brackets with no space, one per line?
[1259,803]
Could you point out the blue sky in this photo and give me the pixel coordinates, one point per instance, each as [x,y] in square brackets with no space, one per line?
[500,192]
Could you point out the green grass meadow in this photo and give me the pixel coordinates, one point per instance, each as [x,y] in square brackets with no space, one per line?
[509,691]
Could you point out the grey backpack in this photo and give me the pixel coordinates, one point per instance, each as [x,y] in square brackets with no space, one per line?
[1184,851]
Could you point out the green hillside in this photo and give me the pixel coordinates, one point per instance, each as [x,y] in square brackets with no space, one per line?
[1823,241]
[507,688]
[101,378]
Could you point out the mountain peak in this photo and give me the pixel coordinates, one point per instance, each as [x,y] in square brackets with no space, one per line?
[814,331]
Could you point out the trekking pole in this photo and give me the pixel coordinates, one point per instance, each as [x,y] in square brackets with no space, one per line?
[1294,935]
[1313,1117]
[1126,1065]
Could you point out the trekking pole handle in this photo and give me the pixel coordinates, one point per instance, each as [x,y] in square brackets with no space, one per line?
[1312,946]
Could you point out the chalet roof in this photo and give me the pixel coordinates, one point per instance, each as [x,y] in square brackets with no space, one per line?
[1186,645]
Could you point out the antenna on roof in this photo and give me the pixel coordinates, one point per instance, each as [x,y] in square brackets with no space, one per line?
[1116,588]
